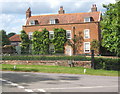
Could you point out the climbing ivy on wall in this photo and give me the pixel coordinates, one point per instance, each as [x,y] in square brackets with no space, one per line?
[59,40]
[40,42]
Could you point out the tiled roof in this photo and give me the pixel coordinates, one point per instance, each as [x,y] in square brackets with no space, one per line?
[65,18]
[15,38]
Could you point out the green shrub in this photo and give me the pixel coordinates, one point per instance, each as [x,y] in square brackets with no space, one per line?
[107,63]
[25,57]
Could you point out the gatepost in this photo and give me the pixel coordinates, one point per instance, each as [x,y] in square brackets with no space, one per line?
[92,59]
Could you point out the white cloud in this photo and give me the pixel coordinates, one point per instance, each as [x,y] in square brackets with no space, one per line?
[11,23]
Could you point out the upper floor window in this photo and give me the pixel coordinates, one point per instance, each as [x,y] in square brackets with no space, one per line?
[86,47]
[32,22]
[68,34]
[51,34]
[53,21]
[86,33]
[30,34]
[87,19]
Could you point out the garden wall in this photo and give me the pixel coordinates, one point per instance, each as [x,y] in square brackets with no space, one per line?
[86,64]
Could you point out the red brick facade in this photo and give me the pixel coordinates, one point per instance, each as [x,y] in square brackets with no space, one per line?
[69,22]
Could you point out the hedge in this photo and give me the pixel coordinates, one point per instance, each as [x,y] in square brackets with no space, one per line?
[82,58]
[100,63]
[107,63]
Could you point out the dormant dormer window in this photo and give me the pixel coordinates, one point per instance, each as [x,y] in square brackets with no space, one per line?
[51,34]
[87,19]
[53,21]
[32,22]
[68,34]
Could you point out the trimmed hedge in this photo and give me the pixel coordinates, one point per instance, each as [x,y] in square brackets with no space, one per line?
[107,63]
[100,63]
[82,58]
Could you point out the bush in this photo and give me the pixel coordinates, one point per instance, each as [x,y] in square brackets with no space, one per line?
[107,63]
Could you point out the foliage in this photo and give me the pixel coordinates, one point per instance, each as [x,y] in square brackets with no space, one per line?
[78,40]
[59,40]
[4,38]
[24,42]
[110,26]
[81,58]
[95,45]
[107,63]
[11,34]
[41,42]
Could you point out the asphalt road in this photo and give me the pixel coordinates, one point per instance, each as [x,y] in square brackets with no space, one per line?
[49,82]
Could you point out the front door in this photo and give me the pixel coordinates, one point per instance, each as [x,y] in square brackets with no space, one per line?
[68,50]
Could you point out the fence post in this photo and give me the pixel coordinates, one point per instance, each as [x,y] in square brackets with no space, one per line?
[92,59]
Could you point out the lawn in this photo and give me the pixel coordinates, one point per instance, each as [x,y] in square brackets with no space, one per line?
[58,69]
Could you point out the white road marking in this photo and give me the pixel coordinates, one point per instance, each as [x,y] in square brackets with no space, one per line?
[20,87]
[80,87]
[41,90]
[28,90]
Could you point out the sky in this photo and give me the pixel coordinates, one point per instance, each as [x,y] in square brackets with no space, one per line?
[13,17]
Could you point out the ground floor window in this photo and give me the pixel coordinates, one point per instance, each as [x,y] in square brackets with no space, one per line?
[51,48]
[86,47]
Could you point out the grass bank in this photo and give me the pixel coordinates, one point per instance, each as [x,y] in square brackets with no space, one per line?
[58,69]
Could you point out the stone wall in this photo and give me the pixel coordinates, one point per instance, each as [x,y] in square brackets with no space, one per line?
[86,64]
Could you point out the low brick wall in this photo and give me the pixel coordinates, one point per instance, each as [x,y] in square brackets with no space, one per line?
[86,64]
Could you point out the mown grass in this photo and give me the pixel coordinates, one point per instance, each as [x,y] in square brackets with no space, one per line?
[58,69]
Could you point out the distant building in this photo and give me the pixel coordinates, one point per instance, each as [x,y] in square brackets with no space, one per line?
[86,25]
[15,40]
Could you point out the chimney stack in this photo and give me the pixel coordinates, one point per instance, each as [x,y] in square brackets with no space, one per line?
[28,13]
[94,8]
[61,11]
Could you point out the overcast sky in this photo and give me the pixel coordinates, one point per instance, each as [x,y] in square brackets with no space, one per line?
[12,12]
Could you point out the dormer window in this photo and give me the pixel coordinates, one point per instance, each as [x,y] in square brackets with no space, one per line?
[53,21]
[87,19]
[32,22]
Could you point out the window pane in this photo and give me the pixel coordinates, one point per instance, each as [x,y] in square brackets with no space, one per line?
[68,34]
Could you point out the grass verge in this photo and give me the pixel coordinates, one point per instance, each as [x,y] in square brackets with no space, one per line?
[58,69]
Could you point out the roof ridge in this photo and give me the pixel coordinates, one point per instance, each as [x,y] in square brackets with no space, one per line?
[65,14]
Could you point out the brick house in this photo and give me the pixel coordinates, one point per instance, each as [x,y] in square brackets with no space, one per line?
[85,25]
[15,40]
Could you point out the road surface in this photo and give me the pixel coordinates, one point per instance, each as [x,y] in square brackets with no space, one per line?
[53,82]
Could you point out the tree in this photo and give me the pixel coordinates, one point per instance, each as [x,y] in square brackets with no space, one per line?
[11,34]
[95,45]
[24,42]
[5,40]
[110,26]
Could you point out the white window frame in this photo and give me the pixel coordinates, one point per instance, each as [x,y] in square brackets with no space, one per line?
[86,33]
[30,34]
[51,47]
[88,19]
[88,47]
[52,21]
[69,31]
[51,32]
[31,22]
